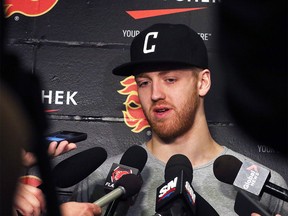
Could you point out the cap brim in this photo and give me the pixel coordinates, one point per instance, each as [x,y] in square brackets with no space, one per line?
[133,68]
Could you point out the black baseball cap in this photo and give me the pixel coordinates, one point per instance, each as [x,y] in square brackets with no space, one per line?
[164,46]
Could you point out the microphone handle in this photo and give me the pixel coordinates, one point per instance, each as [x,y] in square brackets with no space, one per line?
[276,191]
[118,207]
[177,208]
[245,205]
[116,193]
[111,208]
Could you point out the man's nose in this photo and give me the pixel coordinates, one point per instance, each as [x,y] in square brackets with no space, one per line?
[157,92]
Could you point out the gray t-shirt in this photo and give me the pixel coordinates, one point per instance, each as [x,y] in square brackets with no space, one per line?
[220,196]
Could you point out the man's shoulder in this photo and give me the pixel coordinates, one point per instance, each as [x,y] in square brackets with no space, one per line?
[238,155]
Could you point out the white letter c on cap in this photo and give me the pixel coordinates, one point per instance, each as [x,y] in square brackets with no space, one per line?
[145,48]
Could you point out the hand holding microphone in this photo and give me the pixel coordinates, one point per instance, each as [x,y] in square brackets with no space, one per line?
[79,209]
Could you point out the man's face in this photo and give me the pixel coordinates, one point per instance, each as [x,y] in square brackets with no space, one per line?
[169,100]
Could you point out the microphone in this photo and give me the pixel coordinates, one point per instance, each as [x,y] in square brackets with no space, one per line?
[246,205]
[176,197]
[248,176]
[127,186]
[132,162]
[77,167]
[171,203]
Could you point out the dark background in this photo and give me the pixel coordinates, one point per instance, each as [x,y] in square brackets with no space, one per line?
[74,46]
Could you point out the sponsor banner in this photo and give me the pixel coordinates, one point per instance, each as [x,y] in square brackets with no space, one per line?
[105,21]
[79,81]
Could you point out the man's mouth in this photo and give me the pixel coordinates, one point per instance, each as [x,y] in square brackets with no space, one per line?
[162,110]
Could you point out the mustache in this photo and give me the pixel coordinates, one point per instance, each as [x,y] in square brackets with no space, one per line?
[160,104]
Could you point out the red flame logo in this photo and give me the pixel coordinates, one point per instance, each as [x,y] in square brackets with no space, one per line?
[31,8]
[118,173]
[133,115]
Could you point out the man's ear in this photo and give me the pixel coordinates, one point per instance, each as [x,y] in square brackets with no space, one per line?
[204,82]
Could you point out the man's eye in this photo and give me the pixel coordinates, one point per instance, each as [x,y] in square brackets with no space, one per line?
[142,84]
[171,80]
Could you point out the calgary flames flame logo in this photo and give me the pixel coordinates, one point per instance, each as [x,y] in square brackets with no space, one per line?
[133,115]
[31,8]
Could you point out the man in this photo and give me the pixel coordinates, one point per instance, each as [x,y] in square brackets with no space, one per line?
[170,66]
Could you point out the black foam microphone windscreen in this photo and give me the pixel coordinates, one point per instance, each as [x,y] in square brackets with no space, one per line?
[226,168]
[77,167]
[135,156]
[132,184]
[175,164]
